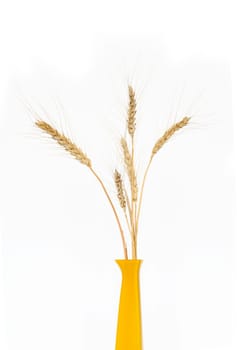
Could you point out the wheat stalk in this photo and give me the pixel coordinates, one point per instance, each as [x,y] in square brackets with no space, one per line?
[158,145]
[76,152]
[129,162]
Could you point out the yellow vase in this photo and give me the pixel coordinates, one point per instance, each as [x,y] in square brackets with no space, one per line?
[129,325]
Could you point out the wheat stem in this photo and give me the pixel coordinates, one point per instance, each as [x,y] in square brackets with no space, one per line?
[128,223]
[128,204]
[141,193]
[134,247]
[114,210]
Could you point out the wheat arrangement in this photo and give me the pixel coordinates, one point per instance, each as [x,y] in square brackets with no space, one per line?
[129,199]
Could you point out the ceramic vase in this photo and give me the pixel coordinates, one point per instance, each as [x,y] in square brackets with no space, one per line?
[129,325]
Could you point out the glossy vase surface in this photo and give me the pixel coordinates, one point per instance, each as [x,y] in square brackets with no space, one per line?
[129,324]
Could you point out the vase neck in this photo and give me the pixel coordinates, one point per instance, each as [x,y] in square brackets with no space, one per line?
[129,265]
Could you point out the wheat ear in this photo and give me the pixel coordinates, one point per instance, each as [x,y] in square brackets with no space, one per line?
[119,189]
[65,142]
[131,121]
[168,134]
[158,145]
[75,151]
[130,169]
[121,195]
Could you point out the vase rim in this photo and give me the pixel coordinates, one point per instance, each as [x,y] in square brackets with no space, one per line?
[132,260]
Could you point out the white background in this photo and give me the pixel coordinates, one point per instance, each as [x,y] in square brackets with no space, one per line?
[58,237]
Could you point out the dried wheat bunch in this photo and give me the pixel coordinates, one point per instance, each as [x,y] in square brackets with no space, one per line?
[127,204]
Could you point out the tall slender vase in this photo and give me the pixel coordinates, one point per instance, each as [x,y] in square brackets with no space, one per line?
[129,325]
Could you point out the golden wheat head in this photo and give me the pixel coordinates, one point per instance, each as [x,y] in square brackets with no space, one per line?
[131,121]
[130,169]
[120,189]
[65,142]
[169,133]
